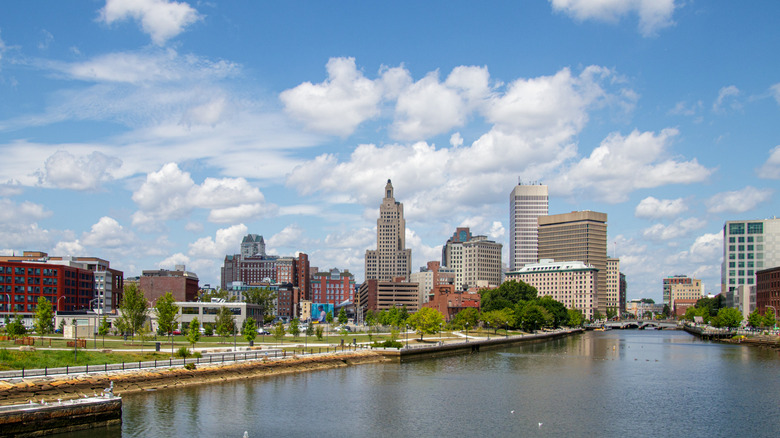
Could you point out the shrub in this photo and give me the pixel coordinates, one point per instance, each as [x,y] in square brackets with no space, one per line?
[183,352]
[189,366]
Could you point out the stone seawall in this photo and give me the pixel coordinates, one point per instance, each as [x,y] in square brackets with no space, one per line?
[52,389]
[35,419]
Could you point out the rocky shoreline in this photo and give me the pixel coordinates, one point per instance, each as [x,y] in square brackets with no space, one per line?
[52,389]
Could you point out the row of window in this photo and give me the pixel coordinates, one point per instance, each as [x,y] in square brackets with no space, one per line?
[752,228]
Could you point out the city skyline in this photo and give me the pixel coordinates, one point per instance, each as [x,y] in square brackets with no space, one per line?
[157,133]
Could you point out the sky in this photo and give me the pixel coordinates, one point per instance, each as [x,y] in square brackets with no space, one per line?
[153,133]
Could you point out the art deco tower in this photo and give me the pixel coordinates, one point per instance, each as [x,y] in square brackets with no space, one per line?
[391,259]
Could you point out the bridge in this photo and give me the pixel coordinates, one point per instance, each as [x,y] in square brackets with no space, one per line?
[641,325]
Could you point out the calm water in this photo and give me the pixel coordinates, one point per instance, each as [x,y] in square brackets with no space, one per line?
[616,383]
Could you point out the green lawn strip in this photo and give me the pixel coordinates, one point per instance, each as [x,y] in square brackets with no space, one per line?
[16,360]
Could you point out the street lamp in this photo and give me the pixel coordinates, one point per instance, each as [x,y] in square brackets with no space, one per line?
[407,336]
[56,307]
[467,332]
[440,328]
[8,306]
[94,332]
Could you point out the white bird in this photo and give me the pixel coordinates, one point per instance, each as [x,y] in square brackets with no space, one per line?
[246,434]
[512,411]
[540,425]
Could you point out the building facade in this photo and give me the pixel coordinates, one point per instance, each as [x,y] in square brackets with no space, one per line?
[669,282]
[748,247]
[573,283]
[685,290]
[452,254]
[430,276]
[182,284]
[22,283]
[577,236]
[378,295]
[526,204]
[332,287]
[768,290]
[391,258]
[613,285]
[481,263]
[450,301]
[252,245]
[623,292]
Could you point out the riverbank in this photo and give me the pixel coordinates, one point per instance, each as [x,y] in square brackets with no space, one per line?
[53,389]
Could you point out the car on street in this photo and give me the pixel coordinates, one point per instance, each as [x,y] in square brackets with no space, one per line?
[263,332]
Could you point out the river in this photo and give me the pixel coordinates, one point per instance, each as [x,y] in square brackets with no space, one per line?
[611,384]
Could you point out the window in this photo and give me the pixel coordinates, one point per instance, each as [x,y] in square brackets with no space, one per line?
[755,228]
[732,239]
[737,228]
[732,247]
[741,240]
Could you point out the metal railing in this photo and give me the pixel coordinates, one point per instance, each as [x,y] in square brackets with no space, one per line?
[209,358]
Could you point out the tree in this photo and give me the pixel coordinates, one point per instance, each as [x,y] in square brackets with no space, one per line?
[556,309]
[220,294]
[16,327]
[426,321]
[167,313]
[295,327]
[193,334]
[468,316]
[666,312]
[342,316]
[133,308]
[755,319]
[44,317]
[611,312]
[329,317]
[498,318]
[208,328]
[310,329]
[713,305]
[370,318]
[225,322]
[279,332]
[729,317]
[769,318]
[575,317]
[318,332]
[508,294]
[263,297]
[597,315]
[534,317]
[61,326]
[103,329]
[249,329]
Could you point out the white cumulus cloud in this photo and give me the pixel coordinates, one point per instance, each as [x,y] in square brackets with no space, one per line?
[653,14]
[67,171]
[160,19]
[771,169]
[652,208]
[108,233]
[738,201]
[337,105]
[225,241]
[677,229]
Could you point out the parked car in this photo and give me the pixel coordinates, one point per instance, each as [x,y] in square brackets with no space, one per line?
[263,332]
[177,332]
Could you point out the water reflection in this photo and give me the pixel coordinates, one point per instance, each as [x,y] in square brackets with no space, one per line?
[616,383]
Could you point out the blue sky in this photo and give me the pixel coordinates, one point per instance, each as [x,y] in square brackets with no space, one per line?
[153,132]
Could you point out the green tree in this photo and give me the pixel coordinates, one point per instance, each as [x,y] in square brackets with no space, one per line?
[666,312]
[426,321]
[193,332]
[403,315]
[263,297]
[61,326]
[556,309]
[755,319]
[104,328]
[575,317]
[329,317]
[167,313]
[370,318]
[249,329]
[342,316]
[16,327]
[318,332]
[208,329]
[498,318]
[44,317]
[611,312]
[295,328]
[534,317]
[713,305]
[279,332]
[729,317]
[597,316]
[225,322]
[133,308]
[221,294]
[468,316]
[310,329]
[507,295]
[769,318]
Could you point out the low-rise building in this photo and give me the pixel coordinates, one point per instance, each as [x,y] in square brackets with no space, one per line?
[768,290]
[378,295]
[449,301]
[182,284]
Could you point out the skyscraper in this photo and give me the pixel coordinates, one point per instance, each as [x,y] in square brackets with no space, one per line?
[390,259]
[577,236]
[526,204]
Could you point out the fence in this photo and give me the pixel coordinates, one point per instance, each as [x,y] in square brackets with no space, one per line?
[210,358]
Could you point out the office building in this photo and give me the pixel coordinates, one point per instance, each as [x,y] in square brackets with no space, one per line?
[182,284]
[613,285]
[332,287]
[391,259]
[430,276]
[573,283]
[577,236]
[475,260]
[526,204]
[379,295]
[671,281]
[748,247]
[768,290]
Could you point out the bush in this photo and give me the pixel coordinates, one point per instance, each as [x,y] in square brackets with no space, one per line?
[197,354]
[388,344]
[183,352]
[189,366]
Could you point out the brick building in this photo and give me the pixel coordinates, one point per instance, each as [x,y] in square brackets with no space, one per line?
[68,288]
[181,283]
[768,289]
[384,295]
[449,301]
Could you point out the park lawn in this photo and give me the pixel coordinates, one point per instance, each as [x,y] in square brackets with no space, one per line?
[16,360]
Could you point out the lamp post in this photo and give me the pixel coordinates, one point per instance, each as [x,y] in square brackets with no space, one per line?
[75,340]
[8,306]
[467,332]
[407,336]
[440,328]
[94,332]
[56,307]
